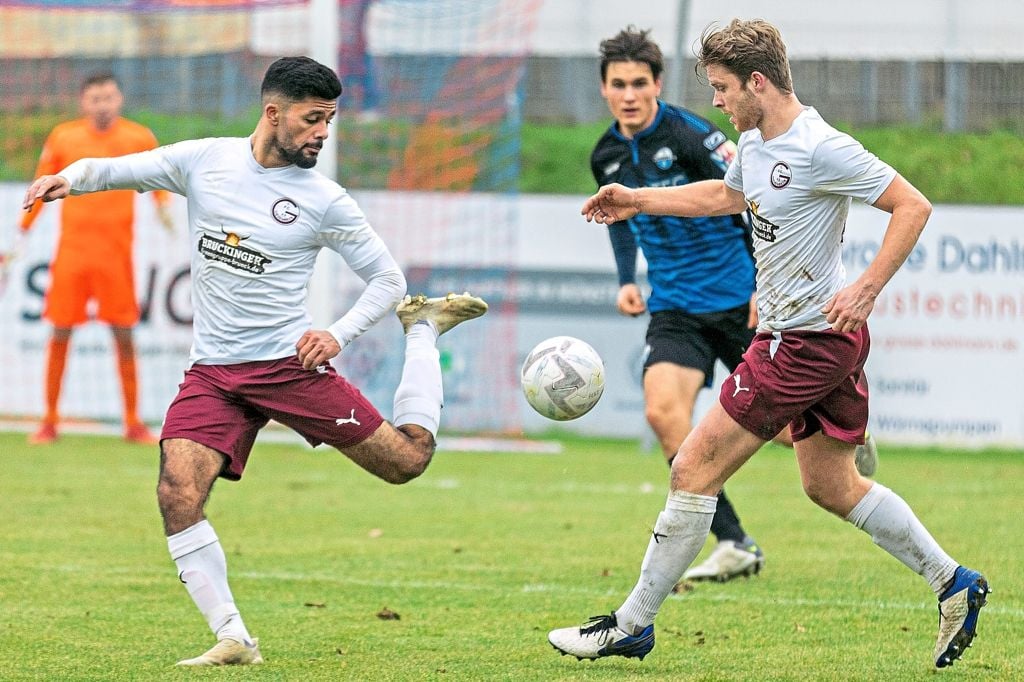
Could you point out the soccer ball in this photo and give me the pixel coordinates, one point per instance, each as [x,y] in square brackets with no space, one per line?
[563,378]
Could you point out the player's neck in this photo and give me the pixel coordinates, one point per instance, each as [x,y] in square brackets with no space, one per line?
[264,151]
[779,116]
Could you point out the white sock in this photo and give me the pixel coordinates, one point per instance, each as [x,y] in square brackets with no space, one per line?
[420,396]
[678,537]
[891,523]
[203,568]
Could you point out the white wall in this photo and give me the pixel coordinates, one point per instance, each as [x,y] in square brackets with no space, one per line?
[922,29]
[903,29]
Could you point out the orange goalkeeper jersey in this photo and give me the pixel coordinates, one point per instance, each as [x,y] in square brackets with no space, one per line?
[93,226]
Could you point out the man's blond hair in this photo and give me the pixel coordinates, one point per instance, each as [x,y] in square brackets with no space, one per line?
[746,46]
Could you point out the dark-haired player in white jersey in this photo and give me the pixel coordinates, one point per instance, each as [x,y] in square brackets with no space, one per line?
[797,176]
[258,217]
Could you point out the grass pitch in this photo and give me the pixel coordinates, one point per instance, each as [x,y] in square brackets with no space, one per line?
[476,561]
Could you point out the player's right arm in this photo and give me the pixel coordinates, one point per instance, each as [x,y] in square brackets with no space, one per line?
[705,198]
[630,300]
[162,168]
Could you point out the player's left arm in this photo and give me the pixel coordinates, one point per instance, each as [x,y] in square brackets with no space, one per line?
[909,210]
[344,229]
[385,286]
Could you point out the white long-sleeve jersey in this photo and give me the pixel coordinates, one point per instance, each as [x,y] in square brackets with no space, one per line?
[798,187]
[255,234]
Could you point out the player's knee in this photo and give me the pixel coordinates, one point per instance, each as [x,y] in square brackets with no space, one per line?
[411,467]
[821,494]
[660,415]
[170,490]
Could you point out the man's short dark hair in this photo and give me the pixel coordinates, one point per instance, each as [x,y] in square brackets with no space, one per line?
[632,45]
[98,78]
[300,78]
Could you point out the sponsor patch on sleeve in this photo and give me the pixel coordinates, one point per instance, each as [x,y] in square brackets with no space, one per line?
[724,154]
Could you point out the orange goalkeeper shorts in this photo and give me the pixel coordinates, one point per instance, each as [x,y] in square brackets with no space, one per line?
[75,281]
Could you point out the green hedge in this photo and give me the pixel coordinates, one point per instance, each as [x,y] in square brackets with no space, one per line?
[950,168]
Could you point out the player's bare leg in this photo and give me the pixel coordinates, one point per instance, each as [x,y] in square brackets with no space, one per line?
[396,455]
[56,358]
[187,473]
[670,392]
[402,452]
[712,452]
[831,479]
[134,430]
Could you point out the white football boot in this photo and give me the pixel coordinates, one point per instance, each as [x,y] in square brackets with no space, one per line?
[729,560]
[867,456]
[601,636]
[228,652]
[444,312]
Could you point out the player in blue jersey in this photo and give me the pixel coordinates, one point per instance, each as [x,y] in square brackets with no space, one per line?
[701,270]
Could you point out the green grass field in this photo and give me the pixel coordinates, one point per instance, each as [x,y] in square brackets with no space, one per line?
[480,558]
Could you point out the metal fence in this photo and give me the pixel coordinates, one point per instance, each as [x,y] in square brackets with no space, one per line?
[976,96]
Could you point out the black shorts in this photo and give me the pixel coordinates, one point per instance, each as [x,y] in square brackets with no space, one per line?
[698,340]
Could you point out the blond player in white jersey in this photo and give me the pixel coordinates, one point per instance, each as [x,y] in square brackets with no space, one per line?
[258,217]
[797,175]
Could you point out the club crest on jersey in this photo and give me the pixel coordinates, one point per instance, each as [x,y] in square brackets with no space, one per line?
[664,158]
[231,253]
[761,227]
[285,211]
[781,175]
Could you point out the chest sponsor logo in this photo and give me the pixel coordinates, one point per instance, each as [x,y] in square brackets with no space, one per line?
[230,252]
[611,168]
[673,180]
[781,175]
[285,211]
[664,158]
[762,228]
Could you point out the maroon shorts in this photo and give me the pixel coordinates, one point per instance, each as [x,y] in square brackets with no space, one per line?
[224,406]
[813,381]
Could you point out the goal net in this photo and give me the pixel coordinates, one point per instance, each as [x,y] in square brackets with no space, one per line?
[426,140]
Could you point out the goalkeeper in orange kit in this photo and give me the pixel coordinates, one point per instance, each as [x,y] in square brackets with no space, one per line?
[93,260]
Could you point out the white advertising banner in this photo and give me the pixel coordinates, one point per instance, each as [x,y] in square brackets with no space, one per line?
[947,332]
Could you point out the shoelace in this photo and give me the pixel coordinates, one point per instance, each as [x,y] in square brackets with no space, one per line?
[599,625]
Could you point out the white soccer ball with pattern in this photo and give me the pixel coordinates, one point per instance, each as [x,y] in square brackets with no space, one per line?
[563,378]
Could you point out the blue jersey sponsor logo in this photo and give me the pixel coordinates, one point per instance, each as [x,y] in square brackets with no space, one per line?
[664,158]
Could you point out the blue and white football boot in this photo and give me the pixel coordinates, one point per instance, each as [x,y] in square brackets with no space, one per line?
[959,607]
[601,636]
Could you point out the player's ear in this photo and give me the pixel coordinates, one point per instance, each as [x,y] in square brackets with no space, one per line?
[657,86]
[272,112]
